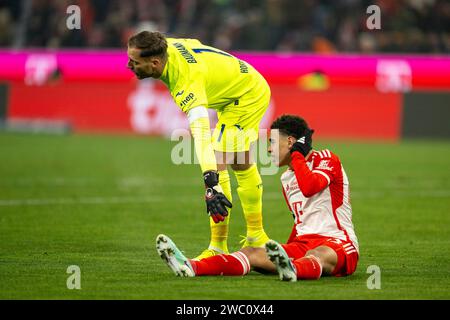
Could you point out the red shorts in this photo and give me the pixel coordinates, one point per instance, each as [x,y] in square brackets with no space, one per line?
[346,252]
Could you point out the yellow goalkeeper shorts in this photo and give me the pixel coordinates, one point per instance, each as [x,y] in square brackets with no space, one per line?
[238,122]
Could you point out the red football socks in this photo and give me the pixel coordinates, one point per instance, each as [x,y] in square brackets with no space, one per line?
[308,268]
[235,264]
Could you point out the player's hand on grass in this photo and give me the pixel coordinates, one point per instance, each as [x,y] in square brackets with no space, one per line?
[216,202]
[304,143]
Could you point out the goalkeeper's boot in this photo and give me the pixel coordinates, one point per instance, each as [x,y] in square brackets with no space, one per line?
[176,260]
[286,269]
[210,252]
[257,240]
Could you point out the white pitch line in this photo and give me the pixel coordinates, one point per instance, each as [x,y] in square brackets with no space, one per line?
[73,201]
[126,182]
[378,194]
[271,196]
[401,194]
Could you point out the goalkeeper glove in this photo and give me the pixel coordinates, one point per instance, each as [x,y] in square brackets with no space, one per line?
[304,143]
[216,202]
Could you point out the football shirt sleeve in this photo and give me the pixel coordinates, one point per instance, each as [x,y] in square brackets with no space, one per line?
[309,182]
[200,129]
[190,95]
[325,163]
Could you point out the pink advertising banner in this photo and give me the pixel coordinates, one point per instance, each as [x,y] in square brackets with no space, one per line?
[385,72]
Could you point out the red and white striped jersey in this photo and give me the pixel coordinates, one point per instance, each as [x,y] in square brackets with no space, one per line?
[326,209]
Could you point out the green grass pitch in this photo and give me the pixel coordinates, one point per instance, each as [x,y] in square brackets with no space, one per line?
[99,202]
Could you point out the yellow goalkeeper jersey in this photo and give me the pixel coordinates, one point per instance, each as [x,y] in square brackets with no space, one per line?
[200,75]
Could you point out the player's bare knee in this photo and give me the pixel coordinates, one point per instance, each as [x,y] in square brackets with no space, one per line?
[223,159]
[315,253]
[241,167]
[254,255]
[249,252]
[221,166]
[242,161]
[327,258]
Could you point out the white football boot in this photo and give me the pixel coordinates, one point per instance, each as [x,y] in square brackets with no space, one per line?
[286,269]
[176,260]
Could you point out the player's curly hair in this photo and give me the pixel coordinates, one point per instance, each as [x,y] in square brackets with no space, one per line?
[291,125]
[151,43]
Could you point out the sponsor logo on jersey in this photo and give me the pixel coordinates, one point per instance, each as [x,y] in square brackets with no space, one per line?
[185,101]
[291,187]
[324,165]
[179,93]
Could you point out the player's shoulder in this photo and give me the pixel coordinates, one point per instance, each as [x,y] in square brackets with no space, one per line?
[182,48]
[322,157]
[324,154]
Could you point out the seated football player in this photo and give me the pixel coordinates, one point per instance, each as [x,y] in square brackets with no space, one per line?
[316,188]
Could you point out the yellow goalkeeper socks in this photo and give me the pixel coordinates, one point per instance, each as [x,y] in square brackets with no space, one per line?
[250,192]
[219,231]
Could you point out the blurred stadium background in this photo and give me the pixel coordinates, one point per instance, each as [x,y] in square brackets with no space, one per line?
[316,55]
[85,171]
[420,26]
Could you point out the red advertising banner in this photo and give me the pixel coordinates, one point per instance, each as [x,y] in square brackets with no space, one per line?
[345,112]
[147,108]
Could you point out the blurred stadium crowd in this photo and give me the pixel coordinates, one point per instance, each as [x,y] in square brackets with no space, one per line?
[419,26]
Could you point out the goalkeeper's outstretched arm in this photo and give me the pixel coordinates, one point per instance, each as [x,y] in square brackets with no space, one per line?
[200,129]
[214,197]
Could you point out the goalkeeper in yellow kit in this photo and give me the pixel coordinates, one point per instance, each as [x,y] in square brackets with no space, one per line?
[201,77]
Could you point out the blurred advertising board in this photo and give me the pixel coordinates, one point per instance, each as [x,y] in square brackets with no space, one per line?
[342,96]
